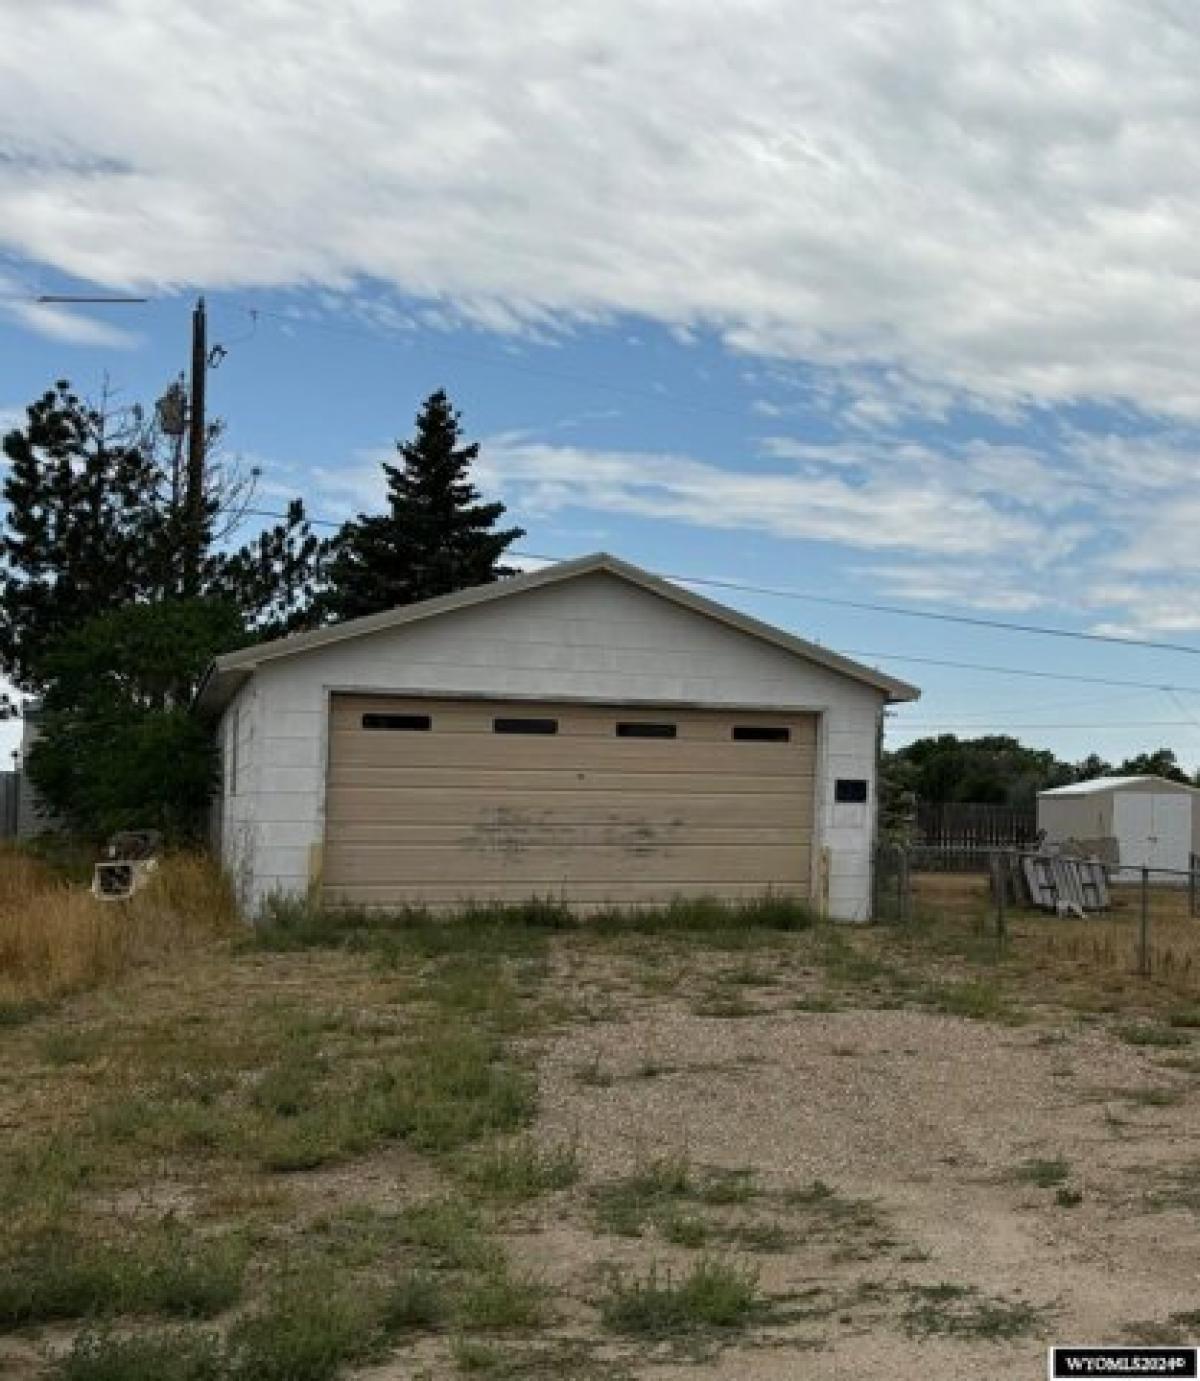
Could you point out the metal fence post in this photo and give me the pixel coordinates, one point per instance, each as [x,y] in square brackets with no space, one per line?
[1192,861]
[897,862]
[998,889]
[1144,928]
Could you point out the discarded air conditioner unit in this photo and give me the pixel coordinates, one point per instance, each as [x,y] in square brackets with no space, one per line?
[129,862]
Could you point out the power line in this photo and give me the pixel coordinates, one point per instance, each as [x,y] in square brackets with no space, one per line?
[1058,706]
[1021,671]
[54,299]
[897,610]
[1193,722]
[902,611]
[1044,724]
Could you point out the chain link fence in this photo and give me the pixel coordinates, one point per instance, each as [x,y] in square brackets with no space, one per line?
[1149,924]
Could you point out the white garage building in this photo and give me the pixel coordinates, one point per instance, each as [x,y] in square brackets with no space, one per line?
[1129,822]
[588,731]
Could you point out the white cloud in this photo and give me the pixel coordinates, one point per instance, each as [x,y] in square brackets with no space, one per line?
[1006,475]
[1163,541]
[1102,502]
[58,323]
[875,513]
[997,198]
[1149,608]
[1089,529]
[357,486]
[1001,589]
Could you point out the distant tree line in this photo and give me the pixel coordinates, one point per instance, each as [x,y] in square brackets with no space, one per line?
[115,593]
[999,770]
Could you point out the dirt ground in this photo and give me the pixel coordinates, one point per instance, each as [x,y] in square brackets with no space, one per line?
[930,1166]
[927,1117]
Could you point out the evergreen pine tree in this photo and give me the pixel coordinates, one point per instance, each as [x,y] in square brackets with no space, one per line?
[436,536]
[93,523]
[79,537]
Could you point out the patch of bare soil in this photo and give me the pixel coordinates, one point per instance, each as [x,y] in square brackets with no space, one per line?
[946,1127]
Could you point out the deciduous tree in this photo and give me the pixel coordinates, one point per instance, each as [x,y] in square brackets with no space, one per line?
[118,745]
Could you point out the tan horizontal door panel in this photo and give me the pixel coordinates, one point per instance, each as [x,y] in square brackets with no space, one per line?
[378,750]
[456,811]
[354,808]
[375,781]
[526,858]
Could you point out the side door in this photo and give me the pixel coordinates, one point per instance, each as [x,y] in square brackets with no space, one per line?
[1133,824]
[1171,831]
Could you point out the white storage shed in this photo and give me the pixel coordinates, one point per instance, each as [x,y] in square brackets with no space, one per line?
[1128,822]
[588,731]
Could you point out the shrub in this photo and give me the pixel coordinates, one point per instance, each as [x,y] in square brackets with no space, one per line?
[100,1356]
[307,1332]
[65,1273]
[452,1089]
[1043,1173]
[979,999]
[960,1311]
[1145,1033]
[623,1206]
[683,1229]
[497,1300]
[448,1232]
[413,1301]
[523,1170]
[713,1295]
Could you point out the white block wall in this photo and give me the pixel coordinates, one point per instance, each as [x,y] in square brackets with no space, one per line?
[241,798]
[595,637]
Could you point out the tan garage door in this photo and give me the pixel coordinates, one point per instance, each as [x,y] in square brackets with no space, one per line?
[436,801]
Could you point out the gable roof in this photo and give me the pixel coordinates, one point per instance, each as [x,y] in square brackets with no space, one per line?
[227,673]
[1094,786]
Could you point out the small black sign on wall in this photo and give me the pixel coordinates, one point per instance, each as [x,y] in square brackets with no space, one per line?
[850,791]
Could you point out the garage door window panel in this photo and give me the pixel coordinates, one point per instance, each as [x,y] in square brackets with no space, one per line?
[402,723]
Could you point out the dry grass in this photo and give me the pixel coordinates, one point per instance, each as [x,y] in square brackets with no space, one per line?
[22,877]
[491,1146]
[56,939]
[1100,952]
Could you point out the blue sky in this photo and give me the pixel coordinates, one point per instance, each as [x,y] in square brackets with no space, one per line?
[899,307]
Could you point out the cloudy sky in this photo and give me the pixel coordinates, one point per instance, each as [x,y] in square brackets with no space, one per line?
[893,301]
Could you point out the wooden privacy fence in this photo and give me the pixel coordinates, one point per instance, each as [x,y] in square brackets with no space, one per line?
[971,825]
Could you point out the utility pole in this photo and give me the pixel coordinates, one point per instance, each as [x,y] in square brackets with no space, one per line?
[193,493]
[192,536]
